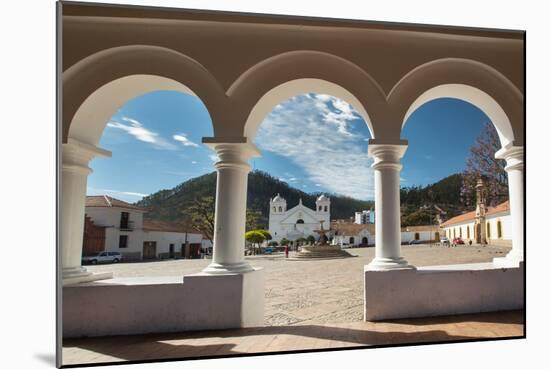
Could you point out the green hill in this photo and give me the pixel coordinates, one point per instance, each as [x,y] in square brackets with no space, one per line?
[417,203]
[171,204]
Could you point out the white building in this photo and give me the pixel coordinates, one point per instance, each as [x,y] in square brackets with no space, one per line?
[299,221]
[494,227]
[352,234]
[364,217]
[120,227]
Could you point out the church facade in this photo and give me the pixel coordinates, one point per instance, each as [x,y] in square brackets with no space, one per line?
[299,221]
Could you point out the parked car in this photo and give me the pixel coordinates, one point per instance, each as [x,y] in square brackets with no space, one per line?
[458,241]
[414,242]
[445,241]
[103,257]
[268,250]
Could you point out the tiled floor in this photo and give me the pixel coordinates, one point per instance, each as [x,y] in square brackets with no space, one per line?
[290,338]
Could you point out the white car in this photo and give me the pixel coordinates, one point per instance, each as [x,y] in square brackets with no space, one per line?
[103,257]
[445,241]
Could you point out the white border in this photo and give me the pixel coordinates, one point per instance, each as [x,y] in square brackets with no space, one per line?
[28,181]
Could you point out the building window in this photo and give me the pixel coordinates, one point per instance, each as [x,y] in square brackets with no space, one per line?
[299,221]
[274,209]
[488,230]
[124,220]
[460,232]
[320,208]
[454,232]
[351,240]
[499,229]
[123,241]
[326,208]
[468,231]
[417,236]
[280,209]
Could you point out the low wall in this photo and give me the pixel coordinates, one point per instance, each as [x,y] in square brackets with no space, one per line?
[163,304]
[442,290]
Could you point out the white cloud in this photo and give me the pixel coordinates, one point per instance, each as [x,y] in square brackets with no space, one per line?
[315,132]
[182,137]
[128,193]
[136,129]
[193,162]
[292,179]
[215,158]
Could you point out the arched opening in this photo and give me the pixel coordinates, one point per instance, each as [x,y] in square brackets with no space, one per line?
[144,121]
[305,138]
[365,241]
[499,229]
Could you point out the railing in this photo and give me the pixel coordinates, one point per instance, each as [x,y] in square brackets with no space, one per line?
[127,226]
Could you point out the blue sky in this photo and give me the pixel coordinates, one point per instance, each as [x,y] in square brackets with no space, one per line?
[314,142]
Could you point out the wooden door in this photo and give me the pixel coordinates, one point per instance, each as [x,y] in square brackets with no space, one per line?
[149,250]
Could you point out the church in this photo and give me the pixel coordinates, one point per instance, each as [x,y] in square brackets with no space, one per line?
[299,221]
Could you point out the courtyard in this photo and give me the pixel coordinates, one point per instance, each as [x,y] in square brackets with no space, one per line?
[317,291]
[309,305]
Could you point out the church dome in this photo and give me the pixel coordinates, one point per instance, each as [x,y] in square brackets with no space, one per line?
[278,198]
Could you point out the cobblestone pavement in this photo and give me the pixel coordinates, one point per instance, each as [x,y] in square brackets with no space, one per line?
[314,291]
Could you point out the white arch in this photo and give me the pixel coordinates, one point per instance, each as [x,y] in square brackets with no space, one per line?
[475,97]
[93,115]
[299,87]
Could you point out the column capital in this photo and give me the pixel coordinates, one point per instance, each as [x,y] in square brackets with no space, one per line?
[77,154]
[514,156]
[387,155]
[233,153]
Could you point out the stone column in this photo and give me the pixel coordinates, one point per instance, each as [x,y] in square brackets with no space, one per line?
[514,156]
[76,156]
[387,167]
[230,216]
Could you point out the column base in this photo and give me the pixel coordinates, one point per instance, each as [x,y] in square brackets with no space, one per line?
[217,268]
[81,275]
[388,264]
[511,261]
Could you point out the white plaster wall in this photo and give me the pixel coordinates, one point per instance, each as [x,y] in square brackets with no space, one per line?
[164,304]
[164,239]
[110,217]
[423,235]
[506,221]
[442,290]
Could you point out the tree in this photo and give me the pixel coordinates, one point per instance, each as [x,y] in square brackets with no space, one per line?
[253,219]
[482,164]
[311,239]
[254,237]
[200,214]
[266,234]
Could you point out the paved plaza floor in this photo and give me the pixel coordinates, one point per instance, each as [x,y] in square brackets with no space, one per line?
[309,305]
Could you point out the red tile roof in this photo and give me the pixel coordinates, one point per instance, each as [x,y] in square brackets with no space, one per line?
[420,228]
[104,201]
[351,229]
[500,208]
[162,226]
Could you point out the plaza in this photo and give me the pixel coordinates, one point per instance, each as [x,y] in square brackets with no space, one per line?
[308,305]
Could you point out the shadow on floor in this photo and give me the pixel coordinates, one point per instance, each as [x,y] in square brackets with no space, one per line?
[291,338]
[502,317]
